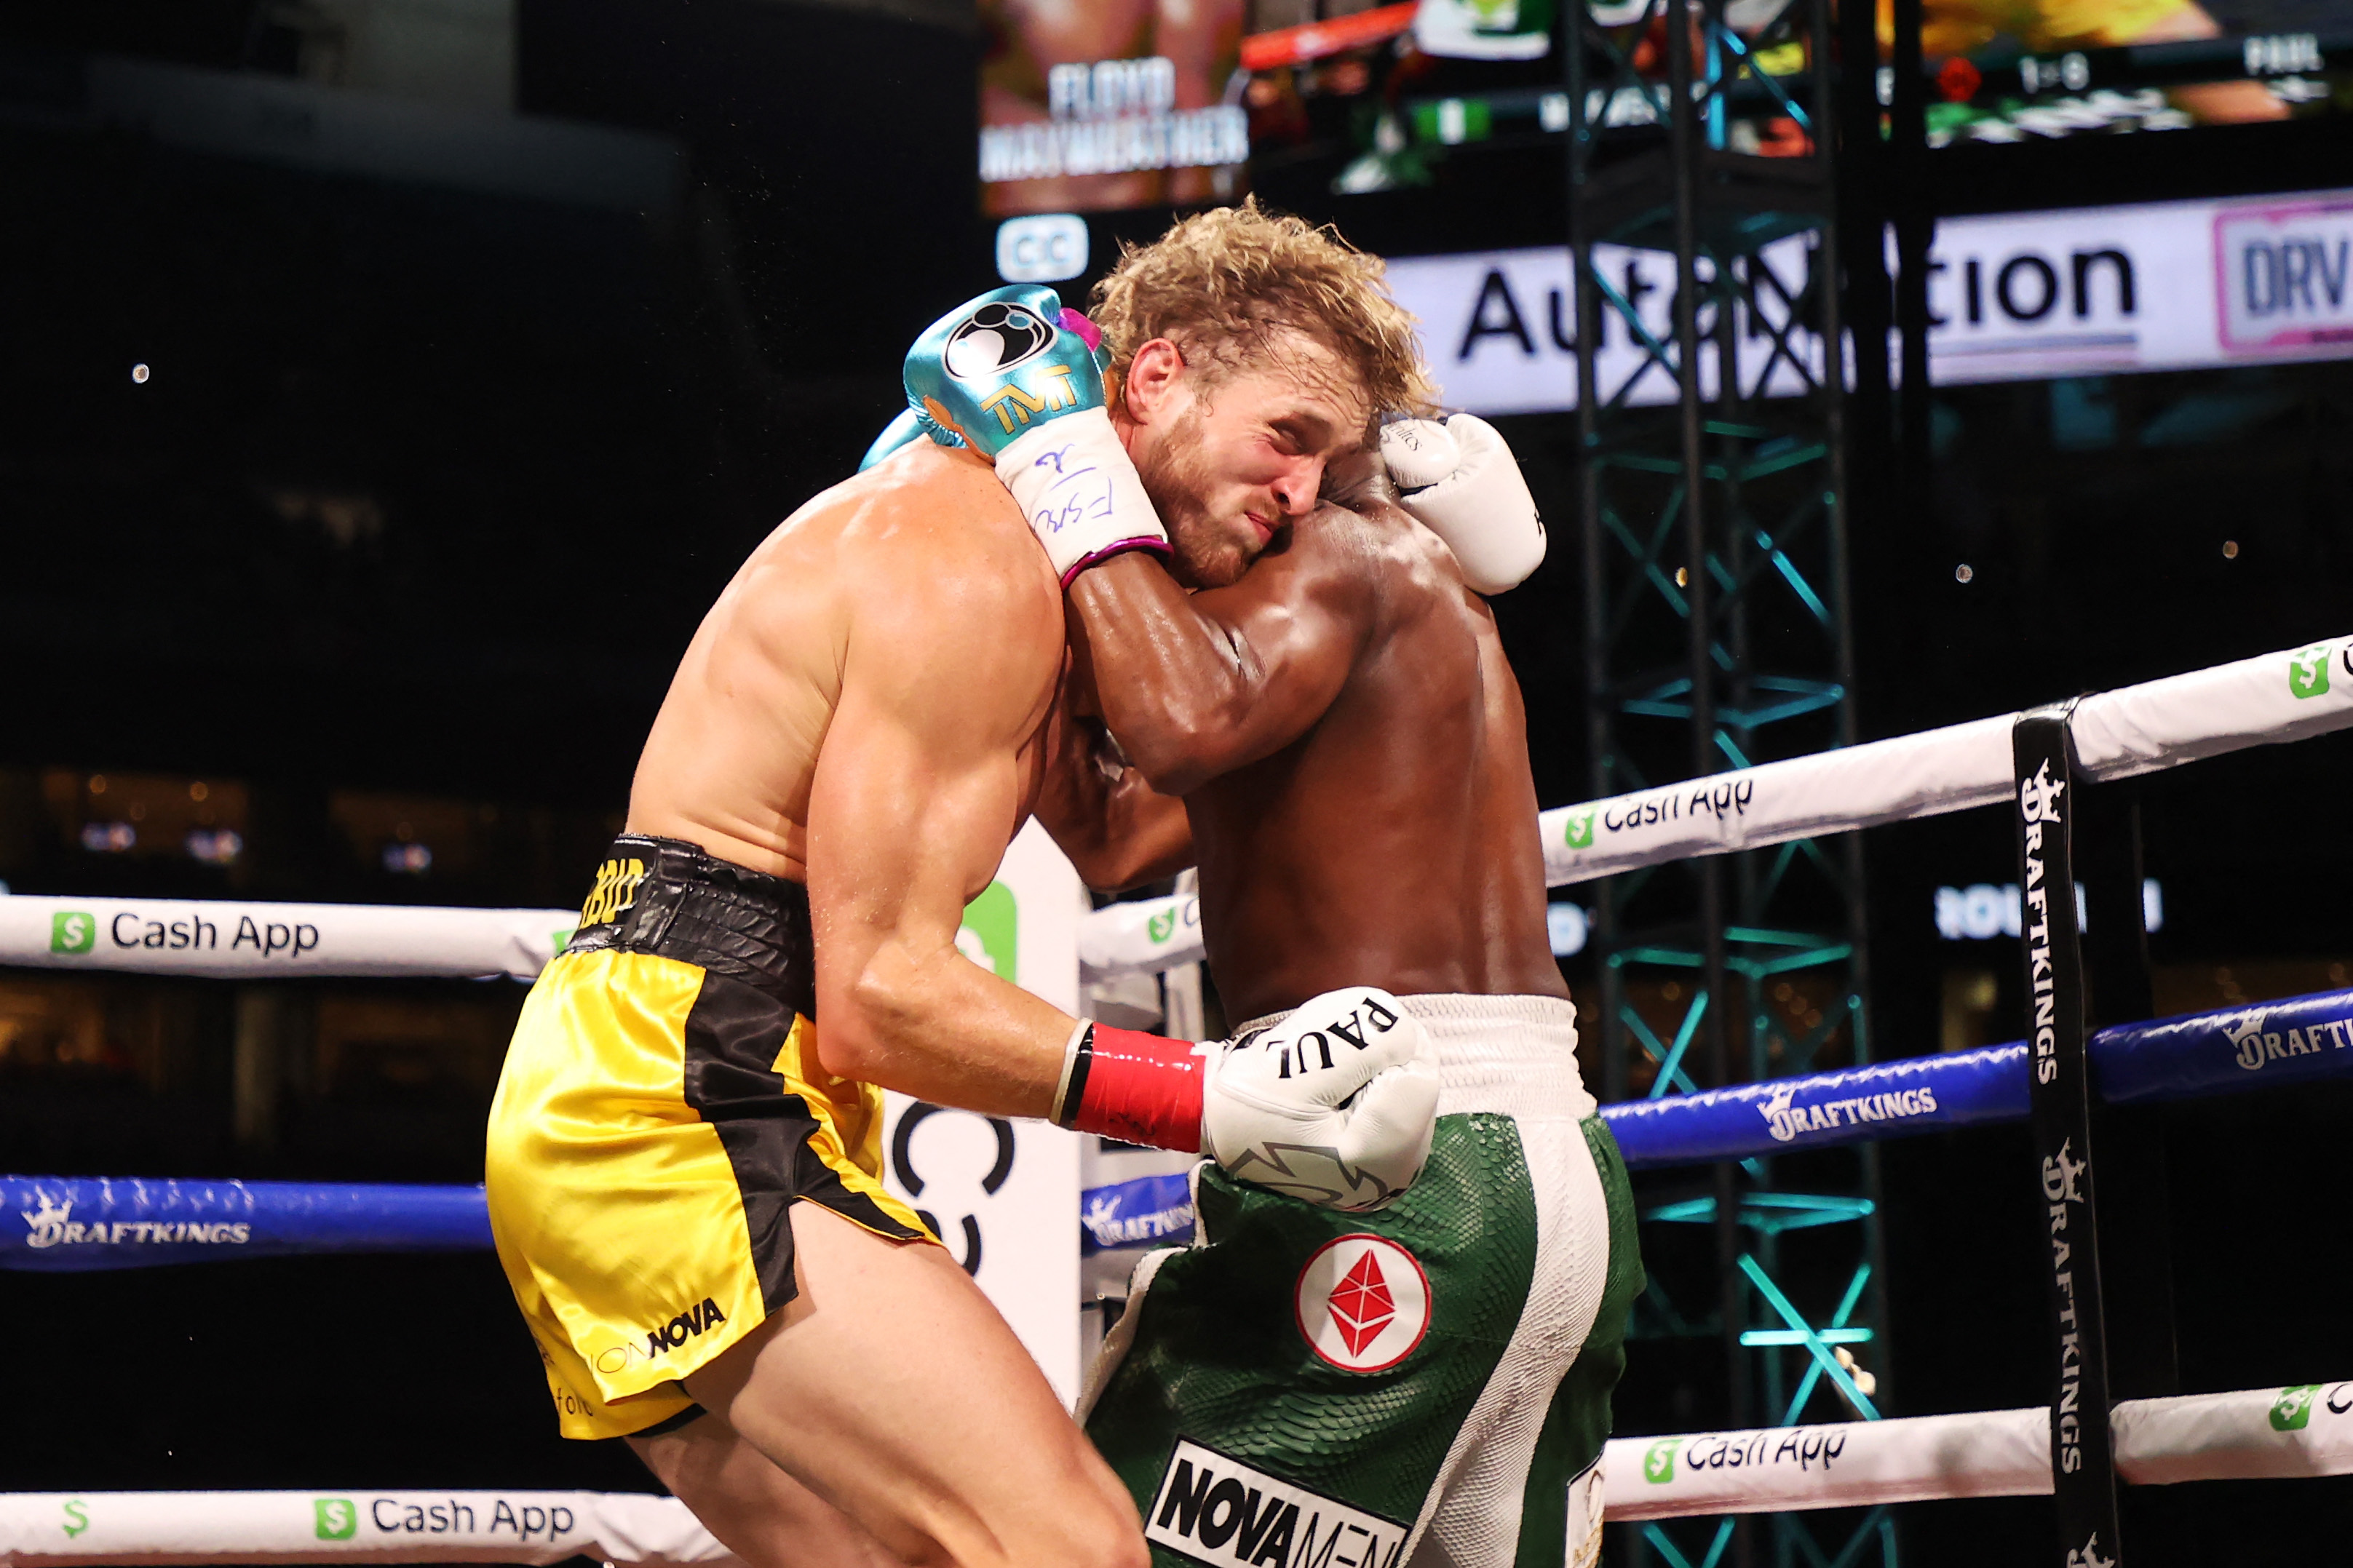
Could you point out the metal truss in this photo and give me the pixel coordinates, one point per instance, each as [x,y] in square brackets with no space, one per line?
[1717,637]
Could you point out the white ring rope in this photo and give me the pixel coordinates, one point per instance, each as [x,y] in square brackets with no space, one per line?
[2256,1434]
[333,1525]
[2277,697]
[2305,1431]
[2280,1433]
[229,940]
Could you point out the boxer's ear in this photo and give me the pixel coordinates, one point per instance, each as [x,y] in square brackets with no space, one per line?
[1150,389]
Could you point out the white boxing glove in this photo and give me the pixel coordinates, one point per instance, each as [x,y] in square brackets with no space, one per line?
[1462,482]
[1336,1104]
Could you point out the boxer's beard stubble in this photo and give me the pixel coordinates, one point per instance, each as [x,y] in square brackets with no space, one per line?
[1177,477]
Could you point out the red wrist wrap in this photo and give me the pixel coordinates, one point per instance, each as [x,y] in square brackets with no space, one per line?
[1137,1087]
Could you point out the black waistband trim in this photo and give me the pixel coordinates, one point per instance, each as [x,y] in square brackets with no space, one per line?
[672,899]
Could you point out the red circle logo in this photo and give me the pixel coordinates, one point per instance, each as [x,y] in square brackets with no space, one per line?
[1362,1303]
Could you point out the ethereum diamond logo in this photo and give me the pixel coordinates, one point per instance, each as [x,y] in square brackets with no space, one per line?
[1363,1303]
[1362,1306]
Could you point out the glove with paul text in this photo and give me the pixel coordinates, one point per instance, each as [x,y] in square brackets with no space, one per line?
[1338,1104]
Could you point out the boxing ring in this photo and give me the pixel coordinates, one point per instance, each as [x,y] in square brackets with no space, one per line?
[2304,1430]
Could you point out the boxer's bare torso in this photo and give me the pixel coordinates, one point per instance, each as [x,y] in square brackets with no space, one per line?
[732,755]
[1352,752]
[864,712]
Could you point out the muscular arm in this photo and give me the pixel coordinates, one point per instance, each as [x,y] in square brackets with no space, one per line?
[918,788]
[1117,829]
[1197,685]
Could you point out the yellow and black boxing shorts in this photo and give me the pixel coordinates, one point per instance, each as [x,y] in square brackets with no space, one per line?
[660,1111]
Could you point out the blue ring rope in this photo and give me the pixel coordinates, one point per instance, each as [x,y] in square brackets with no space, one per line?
[69,1222]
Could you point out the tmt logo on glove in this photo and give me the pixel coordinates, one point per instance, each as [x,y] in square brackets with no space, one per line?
[992,339]
[1021,377]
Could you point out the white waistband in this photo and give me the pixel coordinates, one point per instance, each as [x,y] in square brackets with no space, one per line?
[1515,1056]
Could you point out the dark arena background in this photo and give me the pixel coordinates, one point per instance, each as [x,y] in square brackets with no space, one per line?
[393,383]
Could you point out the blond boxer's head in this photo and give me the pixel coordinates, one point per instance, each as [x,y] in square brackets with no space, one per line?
[1249,350]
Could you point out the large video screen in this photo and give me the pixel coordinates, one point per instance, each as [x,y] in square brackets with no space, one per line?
[1092,105]
[1124,103]
[2022,70]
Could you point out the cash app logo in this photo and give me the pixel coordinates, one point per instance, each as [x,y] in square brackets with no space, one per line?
[1659,1461]
[2293,1409]
[71,931]
[2307,671]
[76,1516]
[1579,834]
[991,923]
[337,1518]
[1161,924]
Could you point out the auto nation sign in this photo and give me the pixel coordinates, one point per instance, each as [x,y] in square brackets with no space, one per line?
[2011,297]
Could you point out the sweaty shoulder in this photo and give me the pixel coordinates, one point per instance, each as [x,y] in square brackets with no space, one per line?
[1399,569]
[929,543]
[929,532]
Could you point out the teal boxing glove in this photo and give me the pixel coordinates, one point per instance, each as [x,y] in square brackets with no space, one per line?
[909,426]
[1019,379]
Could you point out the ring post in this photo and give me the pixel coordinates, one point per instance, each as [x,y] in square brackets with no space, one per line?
[2082,1464]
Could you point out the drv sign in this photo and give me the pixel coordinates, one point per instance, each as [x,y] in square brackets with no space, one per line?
[1045,248]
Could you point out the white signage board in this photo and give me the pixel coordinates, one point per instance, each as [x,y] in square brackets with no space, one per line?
[1499,327]
[1004,1194]
[2011,297]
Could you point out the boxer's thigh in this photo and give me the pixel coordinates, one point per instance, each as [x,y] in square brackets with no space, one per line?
[1561,1506]
[758,1512]
[1323,1361]
[893,1390]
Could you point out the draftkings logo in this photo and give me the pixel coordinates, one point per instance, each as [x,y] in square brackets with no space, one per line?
[2063,1174]
[2252,1046]
[1787,1119]
[2038,804]
[2089,1555]
[51,1224]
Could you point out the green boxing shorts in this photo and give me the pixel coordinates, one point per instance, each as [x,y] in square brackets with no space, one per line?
[1427,1385]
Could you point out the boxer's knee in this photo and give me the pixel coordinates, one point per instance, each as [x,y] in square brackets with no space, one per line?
[1088,1521]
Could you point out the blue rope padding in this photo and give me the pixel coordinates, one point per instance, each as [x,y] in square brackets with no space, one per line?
[1149,1211]
[60,1223]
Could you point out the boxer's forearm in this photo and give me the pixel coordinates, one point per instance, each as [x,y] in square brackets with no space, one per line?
[1116,827]
[1194,686]
[928,1022]
[1169,680]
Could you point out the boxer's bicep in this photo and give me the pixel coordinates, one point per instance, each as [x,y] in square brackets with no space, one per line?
[1293,629]
[1197,685]
[1104,814]
[918,789]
